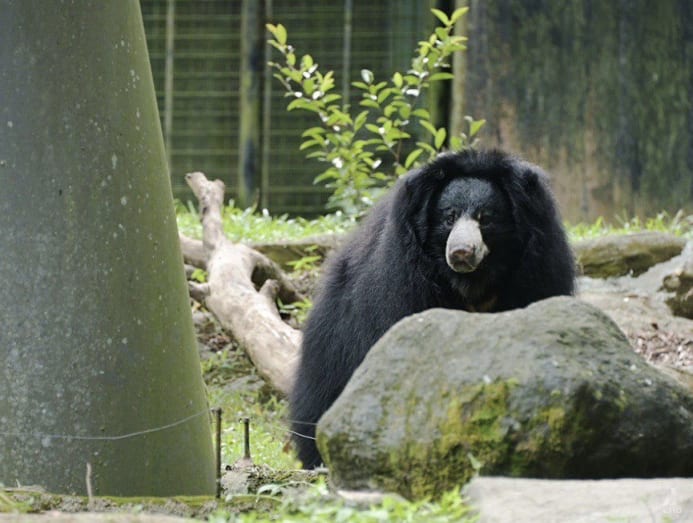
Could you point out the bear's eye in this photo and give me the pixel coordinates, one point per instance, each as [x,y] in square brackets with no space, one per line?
[484,217]
[450,217]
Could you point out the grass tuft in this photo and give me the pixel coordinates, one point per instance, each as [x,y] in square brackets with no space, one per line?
[250,226]
[679,224]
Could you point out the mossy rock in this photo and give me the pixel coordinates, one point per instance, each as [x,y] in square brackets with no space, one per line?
[623,254]
[550,391]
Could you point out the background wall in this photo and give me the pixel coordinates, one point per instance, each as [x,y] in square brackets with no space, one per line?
[598,93]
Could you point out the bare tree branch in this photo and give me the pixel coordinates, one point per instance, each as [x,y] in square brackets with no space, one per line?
[243,285]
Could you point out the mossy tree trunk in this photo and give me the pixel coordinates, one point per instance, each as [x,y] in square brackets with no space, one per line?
[100,386]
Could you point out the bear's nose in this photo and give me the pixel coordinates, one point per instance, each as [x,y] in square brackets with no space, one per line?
[463,254]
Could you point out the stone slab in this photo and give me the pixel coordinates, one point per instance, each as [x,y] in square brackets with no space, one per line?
[512,500]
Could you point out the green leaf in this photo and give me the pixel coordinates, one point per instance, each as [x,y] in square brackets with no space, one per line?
[327,82]
[426,147]
[328,99]
[393,135]
[329,173]
[429,127]
[309,86]
[440,138]
[373,128]
[458,13]
[440,15]
[301,103]
[367,102]
[441,76]
[280,34]
[360,120]
[313,131]
[411,79]
[310,143]
[389,110]
[422,113]
[360,85]
[442,33]
[475,125]
[411,158]
[383,95]
[199,275]
[371,142]
[397,79]
[306,62]
[455,143]
[276,45]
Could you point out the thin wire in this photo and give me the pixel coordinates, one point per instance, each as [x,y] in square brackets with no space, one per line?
[297,422]
[306,436]
[106,438]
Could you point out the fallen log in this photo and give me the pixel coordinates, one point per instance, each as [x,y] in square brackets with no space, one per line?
[242,288]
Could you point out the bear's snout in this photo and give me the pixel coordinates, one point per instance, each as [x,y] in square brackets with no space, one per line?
[465,247]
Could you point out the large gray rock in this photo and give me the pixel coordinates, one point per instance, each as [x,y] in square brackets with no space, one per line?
[550,391]
[621,254]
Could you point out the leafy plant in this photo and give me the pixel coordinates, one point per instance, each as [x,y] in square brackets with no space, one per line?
[306,263]
[368,147]
[316,504]
[298,310]
[199,275]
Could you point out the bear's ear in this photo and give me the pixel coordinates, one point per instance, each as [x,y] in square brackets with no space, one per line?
[413,194]
[547,254]
[531,194]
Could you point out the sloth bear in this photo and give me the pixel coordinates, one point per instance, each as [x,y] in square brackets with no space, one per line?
[477,231]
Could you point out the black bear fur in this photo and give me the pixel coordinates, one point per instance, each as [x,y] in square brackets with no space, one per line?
[394,265]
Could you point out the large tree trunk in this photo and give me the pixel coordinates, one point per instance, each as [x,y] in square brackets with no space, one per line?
[243,286]
[100,385]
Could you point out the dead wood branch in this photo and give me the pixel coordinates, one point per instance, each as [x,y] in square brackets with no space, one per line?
[243,286]
[193,251]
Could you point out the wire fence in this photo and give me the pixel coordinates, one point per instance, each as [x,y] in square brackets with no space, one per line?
[194,48]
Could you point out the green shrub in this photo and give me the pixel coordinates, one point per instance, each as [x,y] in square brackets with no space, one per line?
[366,148]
